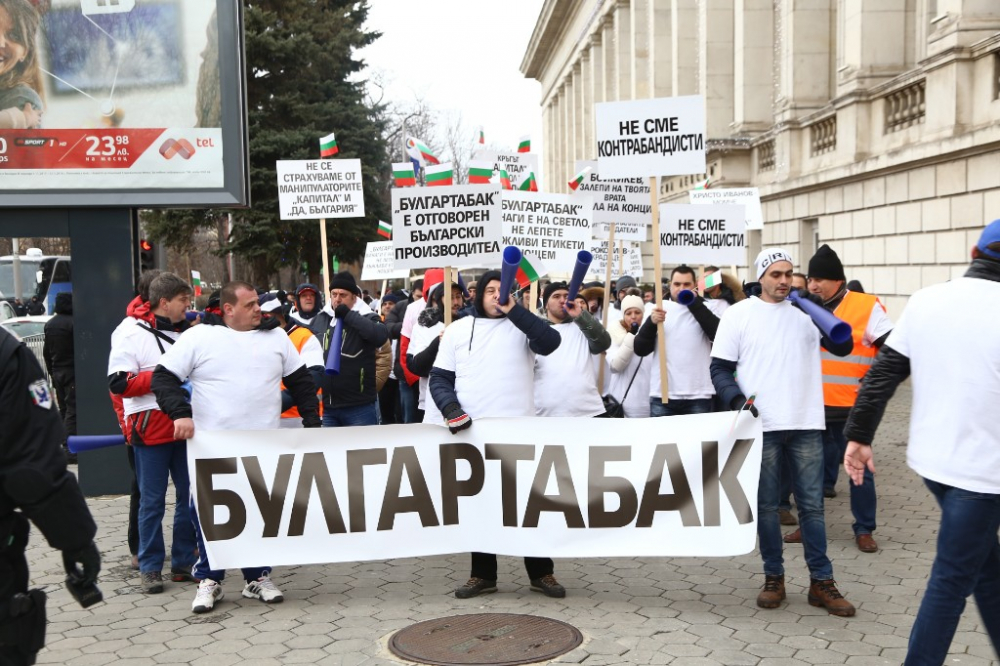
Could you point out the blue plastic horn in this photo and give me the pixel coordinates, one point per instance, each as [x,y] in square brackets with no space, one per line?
[685,297]
[583,261]
[833,327]
[508,271]
[333,356]
[80,443]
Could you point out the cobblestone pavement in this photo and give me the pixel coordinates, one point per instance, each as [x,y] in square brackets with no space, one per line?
[631,611]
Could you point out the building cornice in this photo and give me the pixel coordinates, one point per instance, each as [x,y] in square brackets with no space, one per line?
[551,22]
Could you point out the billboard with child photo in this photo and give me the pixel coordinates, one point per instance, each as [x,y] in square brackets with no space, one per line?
[122,102]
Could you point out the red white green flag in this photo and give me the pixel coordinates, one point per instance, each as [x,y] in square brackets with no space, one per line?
[384,229]
[504,180]
[482,138]
[524,145]
[578,179]
[713,280]
[704,185]
[440,174]
[529,270]
[419,151]
[402,173]
[328,146]
[196,282]
[529,184]
[480,172]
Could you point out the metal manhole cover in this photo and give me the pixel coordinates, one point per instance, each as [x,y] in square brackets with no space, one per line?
[485,638]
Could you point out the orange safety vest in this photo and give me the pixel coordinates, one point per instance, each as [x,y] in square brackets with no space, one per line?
[842,375]
[299,336]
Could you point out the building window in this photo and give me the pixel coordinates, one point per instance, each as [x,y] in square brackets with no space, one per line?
[765,156]
[905,107]
[823,135]
[808,238]
[996,75]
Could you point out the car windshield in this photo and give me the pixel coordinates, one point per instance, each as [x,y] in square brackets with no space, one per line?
[28,282]
[25,328]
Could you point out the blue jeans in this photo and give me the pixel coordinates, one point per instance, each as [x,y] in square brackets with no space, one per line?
[804,449]
[359,415]
[203,569]
[863,498]
[675,407]
[408,400]
[967,562]
[785,501]
[153,464]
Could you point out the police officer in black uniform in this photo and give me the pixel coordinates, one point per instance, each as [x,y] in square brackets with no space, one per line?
[35,486]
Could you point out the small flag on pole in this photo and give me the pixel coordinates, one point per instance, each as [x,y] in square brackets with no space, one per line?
[524,145]
[482,138]
[419,151]
[440,174]
[384,229]
[480,172]
[328,146]
[402,173]
[529,270]
[196,282]
[713,280]
[704,185]
[578,179]
[504,180]
[529,184]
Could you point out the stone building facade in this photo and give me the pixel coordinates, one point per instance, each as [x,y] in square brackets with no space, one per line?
[871,125]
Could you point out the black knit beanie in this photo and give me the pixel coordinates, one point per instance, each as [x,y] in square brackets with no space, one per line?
[550,289]
[825,265]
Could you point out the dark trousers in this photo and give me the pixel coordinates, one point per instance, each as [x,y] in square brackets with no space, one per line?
[16,634]
[484,565]
[387,399]
[64,382]
[133,506]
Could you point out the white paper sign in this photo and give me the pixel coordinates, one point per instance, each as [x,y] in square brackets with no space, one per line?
[748,197]
[651,137]
[379,263]
[320,189]
[631,259]
[686,488]
[456,225]
[698,235]
[517,165]
[553,227]
[626,202]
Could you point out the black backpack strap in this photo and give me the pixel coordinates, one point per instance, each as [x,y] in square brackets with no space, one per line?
[159,335]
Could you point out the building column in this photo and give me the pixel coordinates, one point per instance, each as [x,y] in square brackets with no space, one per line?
[684,42]
[715,64]
[597,68]
[873,43]
[661,54]
[639,36]
[753,51]
[610,50]
[578,112]
[587,144]
[565,101]
[623,48]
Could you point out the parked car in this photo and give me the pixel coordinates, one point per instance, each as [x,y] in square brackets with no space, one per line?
[25,326]
[6,310]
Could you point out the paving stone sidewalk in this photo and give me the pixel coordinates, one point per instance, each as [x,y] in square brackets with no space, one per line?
[689,612]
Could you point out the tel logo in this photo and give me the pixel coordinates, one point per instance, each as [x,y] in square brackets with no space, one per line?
[180,147]
[96,7]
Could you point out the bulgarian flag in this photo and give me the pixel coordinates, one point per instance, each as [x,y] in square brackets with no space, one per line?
[704,185]
[440,174]
[384,229]
[420,152]
[504,180]
[482,138]
[578,179]
[713,280]
[196,282]
[524,145]
[328,146]
[402,173]
[529,184]
[529,270]
[480,172]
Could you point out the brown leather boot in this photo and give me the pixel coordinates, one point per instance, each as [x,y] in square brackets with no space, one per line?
[824,594]
[773,592]
[793,537]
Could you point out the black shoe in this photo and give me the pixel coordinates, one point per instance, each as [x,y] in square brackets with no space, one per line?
[152,582]
[549,586]
[179,575]
[474,587]
[829,493]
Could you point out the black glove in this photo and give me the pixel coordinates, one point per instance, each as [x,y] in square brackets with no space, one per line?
[740,402]
[807,295]
[341,311]
[89,559]
[634,328]
[314,422]
[458,420]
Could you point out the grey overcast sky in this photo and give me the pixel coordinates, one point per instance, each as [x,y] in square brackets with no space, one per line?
[461,56]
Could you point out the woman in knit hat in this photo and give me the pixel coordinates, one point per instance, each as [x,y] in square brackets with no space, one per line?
[625,367]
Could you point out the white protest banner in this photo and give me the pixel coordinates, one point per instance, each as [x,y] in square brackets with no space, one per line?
[517,165]
[320,189]
[553,227]
[379,263]
[545,487]
[696,234]
[625,202]
[651,137]
[631,266]
[457,225]
[748,197]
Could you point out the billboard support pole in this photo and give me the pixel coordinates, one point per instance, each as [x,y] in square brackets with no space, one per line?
[326,258]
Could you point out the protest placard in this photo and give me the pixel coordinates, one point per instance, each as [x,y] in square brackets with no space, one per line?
[455,225]
[553,227]
[651,137]
[632,264]
[696,234]
[517,165]
[320,189]
[379,263]
[623,201]
[748,197]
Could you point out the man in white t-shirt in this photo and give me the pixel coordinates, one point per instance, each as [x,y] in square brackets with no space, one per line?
[689,331]
[565,381]
[236,371]
[769,349]
[485,367]
[947,342]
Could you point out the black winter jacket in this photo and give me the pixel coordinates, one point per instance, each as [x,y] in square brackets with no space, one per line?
[363,336]
[58,347]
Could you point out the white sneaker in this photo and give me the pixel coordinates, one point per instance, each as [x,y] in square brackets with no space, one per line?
[263,589]
[209,591]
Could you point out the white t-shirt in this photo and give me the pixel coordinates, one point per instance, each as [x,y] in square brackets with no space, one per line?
[493,366]
[689,353]
[135,351]
[126,325]
[951,334]
[235,376]
[878,325]
[565,383]
[413,311]
[777,354]
[636,403]
[421,340]
[312,352]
